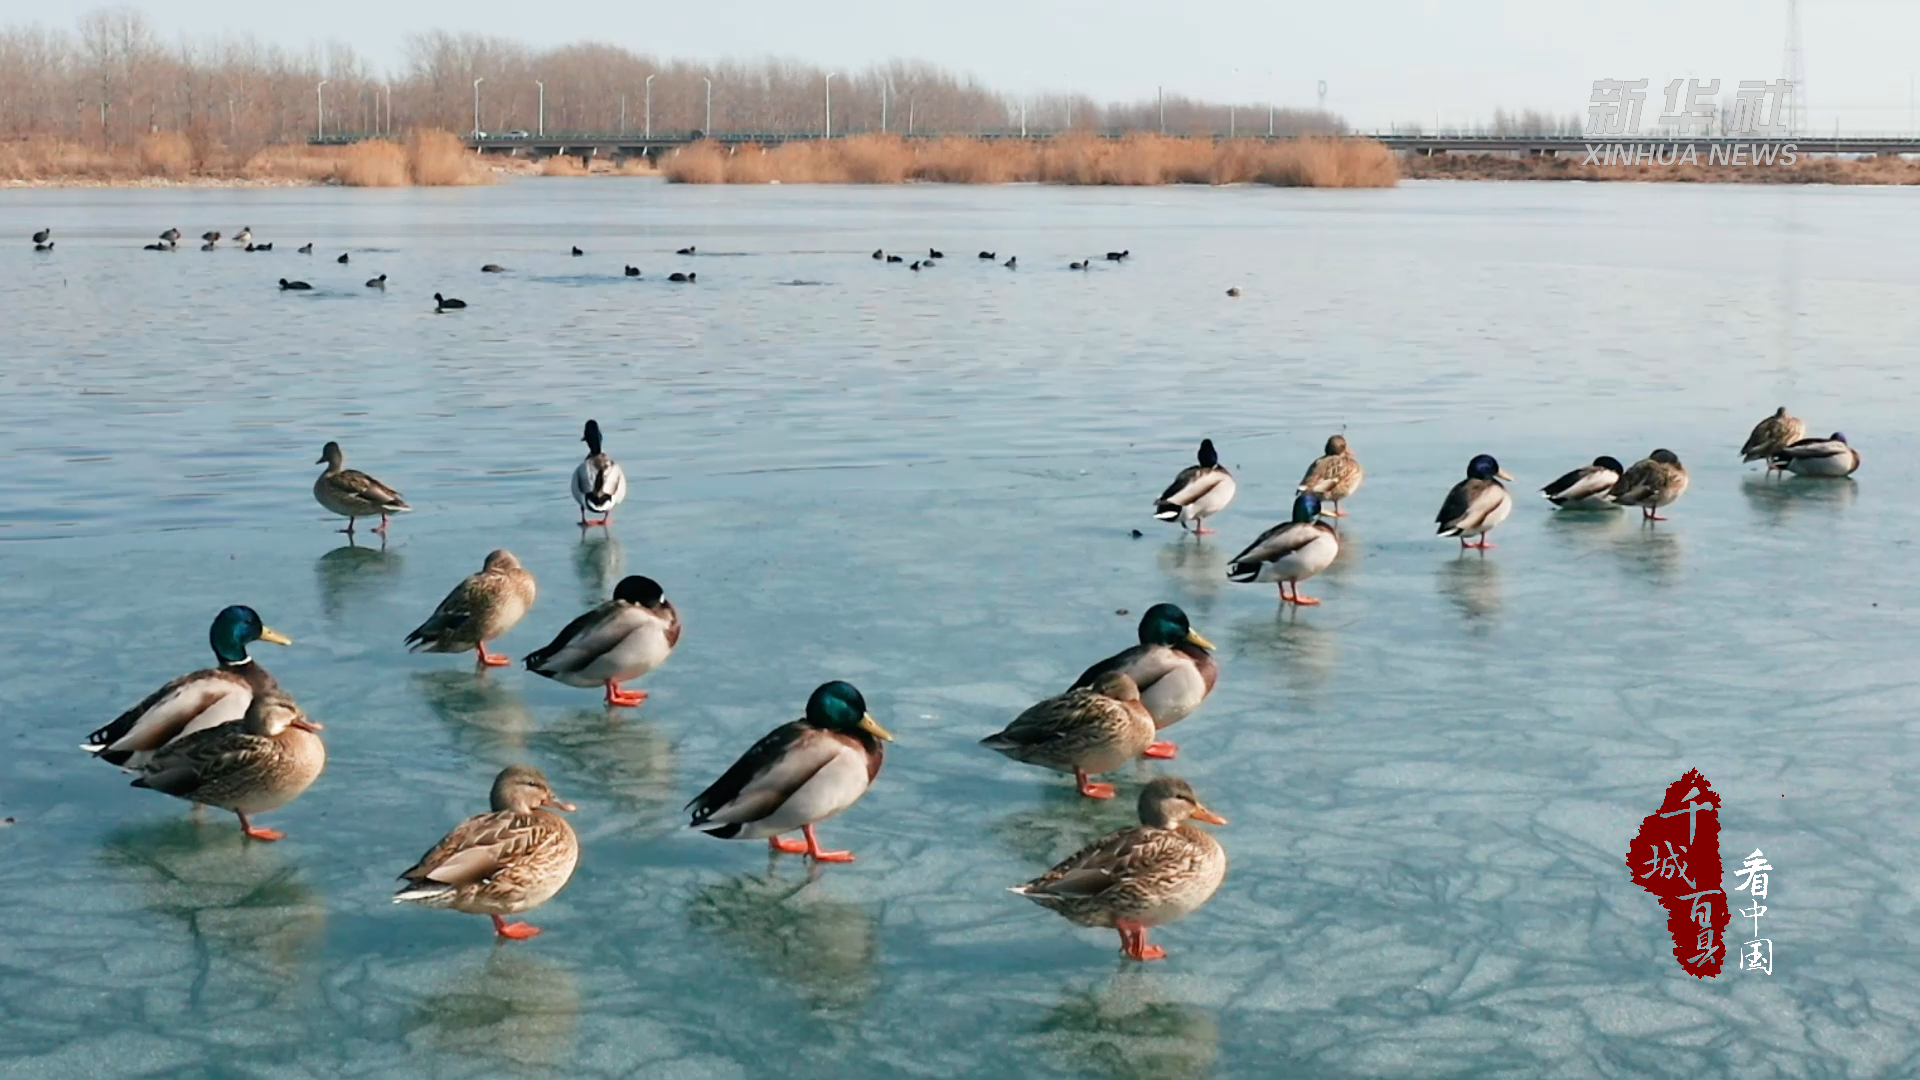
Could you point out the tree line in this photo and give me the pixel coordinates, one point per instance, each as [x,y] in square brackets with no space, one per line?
[112,80]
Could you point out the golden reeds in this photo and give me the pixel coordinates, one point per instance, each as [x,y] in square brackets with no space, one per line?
[1073,159]
[439,159]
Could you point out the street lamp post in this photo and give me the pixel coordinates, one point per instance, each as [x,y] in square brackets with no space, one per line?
[623,114]
[650,105]
[1161,93]
[476,105]
[388,128]
[830,76]
[320,113]
[541,127]
[708,130]
[1023,118]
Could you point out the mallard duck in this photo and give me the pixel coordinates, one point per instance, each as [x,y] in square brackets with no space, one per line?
[622,639]
[261,762]
[1586,487]
[1136,879]
[244,236]
[352,493]
[1291,552]
[1771,435]
[1172,666]
[1653,482]
[1334,475]
[172,236]
[797,776]
[1477,504]
[1093,729]
[599,484]
[195,701]
[511,859]
[1197,493]
[1828,457]
[478,610]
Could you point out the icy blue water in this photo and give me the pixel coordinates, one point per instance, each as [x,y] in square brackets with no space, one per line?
[924,483]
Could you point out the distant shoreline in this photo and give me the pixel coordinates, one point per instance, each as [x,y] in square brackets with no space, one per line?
[438,159]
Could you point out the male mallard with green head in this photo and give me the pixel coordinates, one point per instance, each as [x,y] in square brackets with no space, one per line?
[1830,457]
[1290,552]
[1173,666]
[509,860]
[197,701]
[1093,729]
[353,494]
[1139,878]
[1587,487]
[622,639]
[1334,476]
[1653,482]
[261,762]
[478,610]
[798,775]
[1476,505]
[1199,491]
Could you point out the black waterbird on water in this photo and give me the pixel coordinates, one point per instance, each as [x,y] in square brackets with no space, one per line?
[688,250]
[293,286]
[447,303]
[306,249]
[342,260]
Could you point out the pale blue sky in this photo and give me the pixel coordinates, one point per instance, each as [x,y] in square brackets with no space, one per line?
[1384,61]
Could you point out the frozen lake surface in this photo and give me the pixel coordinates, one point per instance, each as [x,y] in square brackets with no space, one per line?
[925,483]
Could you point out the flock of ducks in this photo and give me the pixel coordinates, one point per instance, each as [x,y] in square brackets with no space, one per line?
[231,737]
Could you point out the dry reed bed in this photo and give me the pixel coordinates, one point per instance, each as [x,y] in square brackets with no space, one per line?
[1134,161]
[1807,170]
[427,158]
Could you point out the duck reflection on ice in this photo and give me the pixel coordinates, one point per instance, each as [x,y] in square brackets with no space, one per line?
[1064,822]
[1775,500]
[352,573]
[518,1008]
[1129,1031]
[1472,582]
[242,900]
[1654,551]
[1297,644]
[1194,562]
[599,563]
[480,710]
[826,949]
[614,758]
